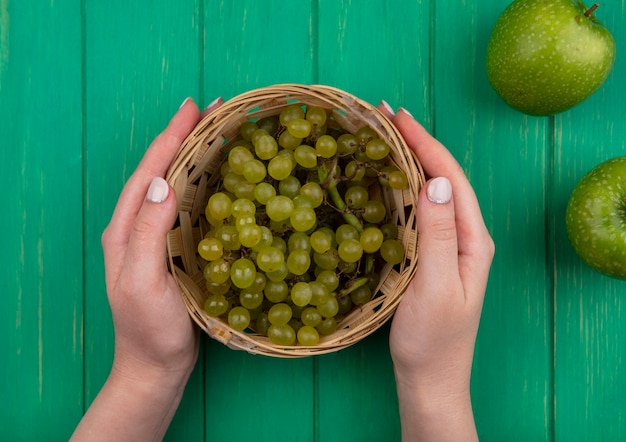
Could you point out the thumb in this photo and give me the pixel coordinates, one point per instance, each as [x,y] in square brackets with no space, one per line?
[438,247]
[147,244]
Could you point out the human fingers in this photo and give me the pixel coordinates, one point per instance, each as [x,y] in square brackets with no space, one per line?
[154,163]
[212,106]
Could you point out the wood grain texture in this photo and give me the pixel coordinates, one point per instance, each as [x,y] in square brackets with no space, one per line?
[86,85]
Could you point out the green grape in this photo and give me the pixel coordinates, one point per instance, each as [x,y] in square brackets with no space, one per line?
[347,144]
[288,141]
[328,260]
[239,318]
[354,172]
[280,167]
[210,249]
[331,234]
[301,294]
[279,208]
[298,262]
[398,180]
[232,181]
[371,239]
[345,305]
[311,316]
[259,282]
[266,147]
[250,299]
[329,279]
[291,112]
[254,171]
[242,273]
[346,231]
[326,146]
[280,274]
[242,207]
[225,169]
[365,134]
[237,157]
[347,267]
[390,231]
[218,270]
[279,314]
[329,307]
[266,239]
[269,124]
[260,132]
[319,292]
[308,336]
[244,221]
[289,154]
[280,244]
[314,192]
[299,241]
[216,305]
[289,187]
[302,201]
[328,326]
[350,250]
[295,324]
[374,211]
[356,197]
[219,206]
[303,218]
[247,129]
[276,291]
[376,149]
[270,259]
[318,131]
[245,190]
[217,289]
[392,251]
[263,192]
[362,295]
[316,115]
[281,334]
[320,241]
[306,156]
[299,127]
[250,235]
[262,324]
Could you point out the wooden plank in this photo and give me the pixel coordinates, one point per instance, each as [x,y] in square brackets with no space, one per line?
[506,157]
[141,63]
[248,45]
[41,174]
[363,51]
[590,323]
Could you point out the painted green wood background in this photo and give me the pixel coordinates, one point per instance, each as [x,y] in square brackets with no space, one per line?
[86,84]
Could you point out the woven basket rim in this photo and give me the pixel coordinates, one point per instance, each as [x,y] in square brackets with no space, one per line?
[191,171]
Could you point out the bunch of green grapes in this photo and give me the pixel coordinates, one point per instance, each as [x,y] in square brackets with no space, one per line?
[296,242]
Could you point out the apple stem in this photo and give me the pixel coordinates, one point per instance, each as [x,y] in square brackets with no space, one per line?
[591,9]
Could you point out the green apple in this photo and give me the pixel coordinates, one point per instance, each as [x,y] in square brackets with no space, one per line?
[545,57]
[595,218]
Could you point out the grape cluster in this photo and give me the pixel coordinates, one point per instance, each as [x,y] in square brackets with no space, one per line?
[296,241]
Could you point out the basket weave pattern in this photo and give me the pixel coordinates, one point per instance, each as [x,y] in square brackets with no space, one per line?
[195,170]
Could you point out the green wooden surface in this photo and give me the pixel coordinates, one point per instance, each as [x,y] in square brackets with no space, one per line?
[85,86]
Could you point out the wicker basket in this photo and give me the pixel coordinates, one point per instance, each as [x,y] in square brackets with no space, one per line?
[200,156]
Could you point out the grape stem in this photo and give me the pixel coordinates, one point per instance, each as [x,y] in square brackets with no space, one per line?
[329,182]
[591,9]
[352,286]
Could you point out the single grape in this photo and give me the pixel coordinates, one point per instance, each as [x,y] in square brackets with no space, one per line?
[298,262]
[356,197]
[266,239]
[390,231]
[289,187]
[392,251]
[346,231]
[238,157]
[299,241]
[291,112]
[262,324]
[361,295]
[288,141]
[266,147]
[279,208]
[350,250]
[250,299]
[374,211]
[281,334]
[354,171]
[328,260]
[299,127]
[308,335]
[242,273]
[279,314]
[216,305]
[270,259]
[316,115]
[365,134]
[376,149]
[311,316]
[326,146]
[210,249]
[250,235]
[217,289]
[247,128]
[301,294]
[371,239]
[329,278]
[303,218]
[239,318]
[244,221]
[279,274]
[347,144]
[329,307]
[280,167]
[263,192]
[218,270]
[276,291]
[314,192]
[320,241]
[219,206]
[269,124]
[306,156]
[328,326]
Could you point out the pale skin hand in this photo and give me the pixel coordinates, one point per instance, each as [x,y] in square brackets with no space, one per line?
[434,329]
[152,362]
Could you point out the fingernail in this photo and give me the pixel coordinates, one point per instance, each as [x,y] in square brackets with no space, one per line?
[184,102]
[439,190]
[213,103]
[405,111]
[387,107]
[158,190]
